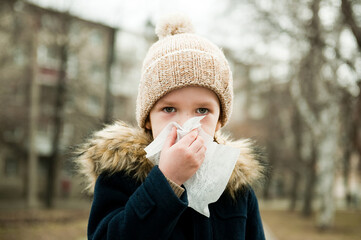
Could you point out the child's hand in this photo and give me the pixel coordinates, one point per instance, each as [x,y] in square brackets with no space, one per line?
[180,161]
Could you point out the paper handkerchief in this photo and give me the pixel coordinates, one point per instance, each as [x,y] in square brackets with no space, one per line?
[209,182]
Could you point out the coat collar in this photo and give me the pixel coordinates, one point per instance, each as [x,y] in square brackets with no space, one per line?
[120,147]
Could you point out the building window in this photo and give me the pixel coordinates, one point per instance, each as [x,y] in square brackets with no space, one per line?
[96,38]
[73,65]
[11,167]
[52,52]
[97,73]
[49,22]
[19,57]
[94,105]
[48,56]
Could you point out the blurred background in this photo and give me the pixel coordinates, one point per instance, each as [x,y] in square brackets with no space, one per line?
[67,68]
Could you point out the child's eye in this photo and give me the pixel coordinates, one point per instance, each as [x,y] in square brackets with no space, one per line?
[169,109]
[202,110]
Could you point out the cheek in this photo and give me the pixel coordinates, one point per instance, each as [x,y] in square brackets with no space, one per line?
[157,126]
[209,125]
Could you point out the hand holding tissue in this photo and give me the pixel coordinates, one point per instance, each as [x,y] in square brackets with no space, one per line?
[209,182]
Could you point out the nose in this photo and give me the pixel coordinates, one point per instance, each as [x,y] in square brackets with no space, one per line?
[183,118]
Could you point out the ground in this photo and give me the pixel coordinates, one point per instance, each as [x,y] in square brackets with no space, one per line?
[286,225]
[43,224]
[66,224]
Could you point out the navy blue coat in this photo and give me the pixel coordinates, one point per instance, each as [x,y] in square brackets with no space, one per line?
[124,208]
[133,199]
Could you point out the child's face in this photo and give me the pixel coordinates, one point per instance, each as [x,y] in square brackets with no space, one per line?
[183,104]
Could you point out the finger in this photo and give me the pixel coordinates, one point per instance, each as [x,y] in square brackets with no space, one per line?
[171,138]
[197,144]
[189,138]
[201,154]
[202,150]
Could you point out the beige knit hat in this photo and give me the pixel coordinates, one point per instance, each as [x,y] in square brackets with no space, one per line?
[178,59]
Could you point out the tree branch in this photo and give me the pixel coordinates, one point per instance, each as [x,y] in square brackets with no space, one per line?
[305,111]
[350,20]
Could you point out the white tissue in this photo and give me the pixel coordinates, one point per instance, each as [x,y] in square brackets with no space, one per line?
[209,182]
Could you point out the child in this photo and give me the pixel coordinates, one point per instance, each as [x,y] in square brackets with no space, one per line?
[183,76]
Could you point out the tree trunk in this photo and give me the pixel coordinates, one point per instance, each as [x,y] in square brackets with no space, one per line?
[54,160]
[347,135]
[294,191]
[297,132]
[311,179]
[350,20]
[108,111]
[32,189]
[327,156]
[267,186]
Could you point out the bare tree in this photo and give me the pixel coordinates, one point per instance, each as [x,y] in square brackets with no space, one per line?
[19,90]
[317,95]
[32,189]
[352,124]
[54,159]
[108,109]
[315,99]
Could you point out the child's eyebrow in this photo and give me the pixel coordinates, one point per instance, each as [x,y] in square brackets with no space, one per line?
[205,103]
[167,102]
[202,103]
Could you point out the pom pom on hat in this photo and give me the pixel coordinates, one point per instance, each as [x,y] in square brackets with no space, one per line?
[174,24]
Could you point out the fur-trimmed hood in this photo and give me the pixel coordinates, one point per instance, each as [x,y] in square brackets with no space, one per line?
[119,147]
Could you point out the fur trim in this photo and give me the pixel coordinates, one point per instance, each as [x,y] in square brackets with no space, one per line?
[119,147]
[250,167]
[115,148]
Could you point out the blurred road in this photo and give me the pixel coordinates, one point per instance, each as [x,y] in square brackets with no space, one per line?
[268,232]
